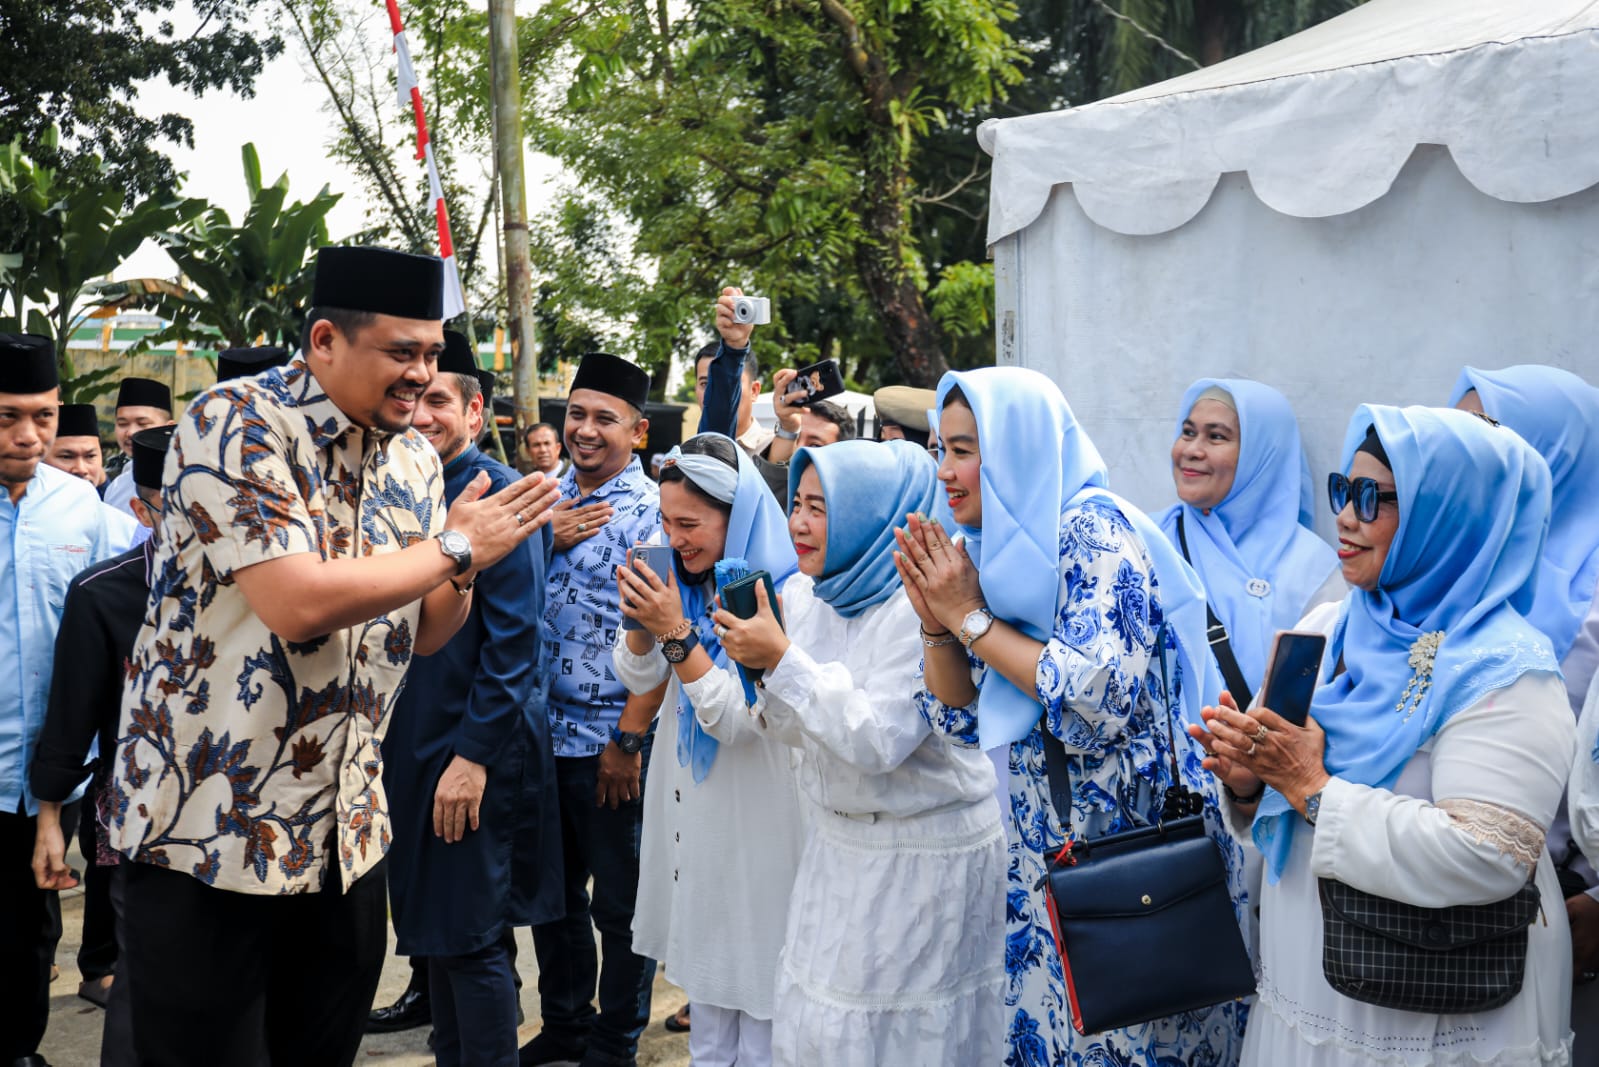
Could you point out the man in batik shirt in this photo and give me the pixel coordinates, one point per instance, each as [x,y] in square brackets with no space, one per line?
[305,558]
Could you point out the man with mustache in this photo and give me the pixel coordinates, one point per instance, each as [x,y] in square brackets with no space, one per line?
[305,557]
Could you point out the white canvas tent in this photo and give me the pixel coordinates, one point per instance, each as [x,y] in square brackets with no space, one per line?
[1350,214]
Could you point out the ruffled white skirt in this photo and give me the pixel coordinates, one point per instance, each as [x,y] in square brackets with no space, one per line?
[895,945]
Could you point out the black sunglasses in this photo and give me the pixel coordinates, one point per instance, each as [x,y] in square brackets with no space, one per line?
[1365,493]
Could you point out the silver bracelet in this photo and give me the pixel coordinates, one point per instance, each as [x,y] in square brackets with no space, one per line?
[927,639]
[787,435]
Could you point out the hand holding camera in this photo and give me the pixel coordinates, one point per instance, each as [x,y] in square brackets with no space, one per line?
[737,316]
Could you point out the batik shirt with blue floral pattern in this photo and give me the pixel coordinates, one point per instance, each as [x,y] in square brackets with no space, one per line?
[1100,691]
[251,762]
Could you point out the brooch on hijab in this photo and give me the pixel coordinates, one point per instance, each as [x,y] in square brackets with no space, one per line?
[1258,587]
[1422,652]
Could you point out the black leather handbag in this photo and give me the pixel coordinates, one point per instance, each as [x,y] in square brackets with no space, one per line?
[1142,919]
[1441,961]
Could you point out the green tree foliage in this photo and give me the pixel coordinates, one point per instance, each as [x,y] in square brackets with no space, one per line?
[65,235]
[823,153]
[247,281]
[77,65]
[770,145]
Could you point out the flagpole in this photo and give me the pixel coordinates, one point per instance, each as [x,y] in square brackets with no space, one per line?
[513,202]
[410,92]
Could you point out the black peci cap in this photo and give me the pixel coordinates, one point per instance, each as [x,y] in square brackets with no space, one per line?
[144,392]
[78,420]
[605,373]
[150,455]
[379,280]
[457,356]
[27,364]
[243,362]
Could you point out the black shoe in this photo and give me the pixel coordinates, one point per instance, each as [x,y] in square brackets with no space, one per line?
[413,1009]
[31,1060]
[543,1051]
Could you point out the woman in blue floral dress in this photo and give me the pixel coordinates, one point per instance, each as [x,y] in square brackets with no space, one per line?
[1058,590]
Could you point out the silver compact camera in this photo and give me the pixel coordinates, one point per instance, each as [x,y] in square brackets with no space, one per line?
[752,310]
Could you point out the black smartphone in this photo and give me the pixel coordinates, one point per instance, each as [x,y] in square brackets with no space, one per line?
[738,596]
[1291,678]
[657,558]
[816,382]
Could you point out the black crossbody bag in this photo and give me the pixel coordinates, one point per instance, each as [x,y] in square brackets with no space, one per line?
[1221,645]
[1121,903]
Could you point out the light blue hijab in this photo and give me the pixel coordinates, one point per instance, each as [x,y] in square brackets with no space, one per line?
[869,487]
[1473,510]
[1027,482]
[1558,414]
[1254,534]
[757,532]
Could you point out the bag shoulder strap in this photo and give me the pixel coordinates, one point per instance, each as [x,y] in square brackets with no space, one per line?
[1056,768]
[1216,633]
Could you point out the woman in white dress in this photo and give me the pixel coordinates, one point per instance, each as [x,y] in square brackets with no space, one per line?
[722,828]
[1242,520]
[895,946]
[1437,748]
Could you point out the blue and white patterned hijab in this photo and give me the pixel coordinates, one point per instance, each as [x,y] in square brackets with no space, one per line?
[1558,414]
[1255,534]
[1473,511]
[869,487]
[1027,482]
[757,532]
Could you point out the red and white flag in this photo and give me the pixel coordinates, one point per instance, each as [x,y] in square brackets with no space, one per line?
[411,91]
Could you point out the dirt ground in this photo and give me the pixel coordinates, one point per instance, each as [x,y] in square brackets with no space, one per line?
[73,1039]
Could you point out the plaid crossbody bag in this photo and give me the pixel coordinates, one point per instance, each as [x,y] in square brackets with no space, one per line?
[1441,961]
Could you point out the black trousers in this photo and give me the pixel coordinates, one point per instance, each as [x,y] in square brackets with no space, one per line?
[30,926]
[222,979]
[97,953]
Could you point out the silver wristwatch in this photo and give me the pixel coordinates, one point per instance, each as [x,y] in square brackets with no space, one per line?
[975,625]
[454,543]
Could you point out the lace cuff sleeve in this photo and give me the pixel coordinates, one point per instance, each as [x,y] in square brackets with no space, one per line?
[1511,833]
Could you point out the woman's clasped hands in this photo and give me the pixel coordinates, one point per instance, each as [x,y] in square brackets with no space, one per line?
[1246,749]
[937,573]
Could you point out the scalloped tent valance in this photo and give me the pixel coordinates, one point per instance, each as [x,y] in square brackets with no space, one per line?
[1322,122]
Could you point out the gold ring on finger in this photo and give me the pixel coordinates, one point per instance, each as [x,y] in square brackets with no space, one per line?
[1261,732]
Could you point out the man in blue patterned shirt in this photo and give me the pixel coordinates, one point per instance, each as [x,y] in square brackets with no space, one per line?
[305,558]
[600,736]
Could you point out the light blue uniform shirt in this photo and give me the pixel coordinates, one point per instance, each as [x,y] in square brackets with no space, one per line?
[55,530]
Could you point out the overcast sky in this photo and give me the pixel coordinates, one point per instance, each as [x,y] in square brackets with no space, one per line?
[286,122]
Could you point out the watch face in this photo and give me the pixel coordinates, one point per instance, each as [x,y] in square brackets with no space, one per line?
[977,623]
[455,541]
[674,651]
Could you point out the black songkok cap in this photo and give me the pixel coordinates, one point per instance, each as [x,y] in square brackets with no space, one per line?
[150,455]
[243,362]
[457,356]
[379,280]
[78,420]
[27,364]
[605,373]
[144,392]
[485,382]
